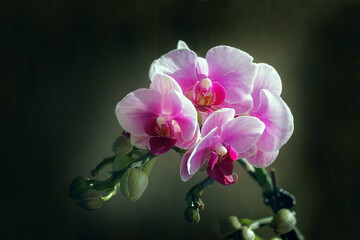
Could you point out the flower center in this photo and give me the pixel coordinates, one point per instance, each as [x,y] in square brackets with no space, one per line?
[162,128]
[204,95]
[220,150]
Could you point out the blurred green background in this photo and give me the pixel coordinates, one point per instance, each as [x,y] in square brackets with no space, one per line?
[67,64]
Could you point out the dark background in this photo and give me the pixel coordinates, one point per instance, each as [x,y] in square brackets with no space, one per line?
[67,64]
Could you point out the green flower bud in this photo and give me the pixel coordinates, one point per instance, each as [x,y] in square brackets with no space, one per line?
[275,238]
[90,199]
[121,145]
[133,183]
[230,225]
[247,234]
[78,186]
[283,221]
[192,215]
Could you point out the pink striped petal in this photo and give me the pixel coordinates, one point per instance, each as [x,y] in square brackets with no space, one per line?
[136,108]
[234,70]
[241,107]
[140,141]
[184,113]
[279,122]
[180,64]
[187,144]
[262,159]
[181,44]
[266,78]
[184,173]
[201,153]
[217,118]
[242,133]
[202,68]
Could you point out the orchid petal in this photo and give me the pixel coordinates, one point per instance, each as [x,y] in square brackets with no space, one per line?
[252,151]
[202,68]
[187,144]
[179,64]
[241,107]
[278,120]
[262,159]
[140,141]
[184,173]
[136,108]
[234,70]
[184,113]
[181,44]
[242,133]
[266,78]
[216,119]
[201,153]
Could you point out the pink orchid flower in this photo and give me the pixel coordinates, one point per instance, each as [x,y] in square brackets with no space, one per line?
[224,139]
[273,112]
[160,117]
[223,79]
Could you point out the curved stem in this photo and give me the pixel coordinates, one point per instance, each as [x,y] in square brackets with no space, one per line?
[96,171]
[260,223]
[193,197]
[116,175]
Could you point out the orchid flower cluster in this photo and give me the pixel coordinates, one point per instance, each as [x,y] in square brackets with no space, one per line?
[220,108]
[213,111]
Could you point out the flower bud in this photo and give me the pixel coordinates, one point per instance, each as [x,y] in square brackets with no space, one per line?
[78,186]
[247,234]
[133,183]
[230,225]
[283,221]
[90,199]
[275,238]
[121,145]
[192,215]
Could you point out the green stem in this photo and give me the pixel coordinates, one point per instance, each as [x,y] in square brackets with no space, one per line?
[116,175]
[260,223]
[179,150]
[95,172]
[193,197]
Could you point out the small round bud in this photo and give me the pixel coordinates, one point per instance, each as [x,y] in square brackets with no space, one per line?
[192,215]
[90,199]
[275,238]
[247,234]
[121,145]
[133,183]
[230,225]
[283,221]
[78,186]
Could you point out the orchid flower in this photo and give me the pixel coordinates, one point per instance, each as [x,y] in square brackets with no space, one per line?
[225,138]
[160,117]
[273,112]
[223,79]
